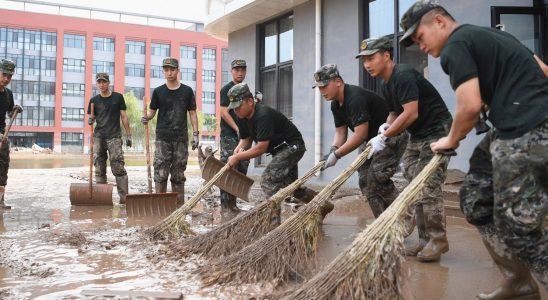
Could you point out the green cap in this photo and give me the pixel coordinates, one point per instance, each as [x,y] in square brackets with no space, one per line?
[371,46]
[238,63]
[412,18]
[237,94]
[7,66]
[324,74]
[101,76]
[170,62]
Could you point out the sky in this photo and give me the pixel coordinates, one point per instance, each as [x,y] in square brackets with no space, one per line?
[193,10]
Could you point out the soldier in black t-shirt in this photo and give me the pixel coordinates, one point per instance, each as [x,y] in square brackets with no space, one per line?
[108,109]
[273,133]
[173,100]
[416,107]
[363,112]
[229,129]
[506,189]
[7,68]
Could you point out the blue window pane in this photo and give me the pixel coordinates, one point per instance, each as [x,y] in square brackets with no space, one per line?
[381,18]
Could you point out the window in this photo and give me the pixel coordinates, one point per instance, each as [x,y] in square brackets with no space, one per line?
[15,38]
[161,50]
[135,70]
[37,116]
[3,37]
[16,86]
[135,47]
[103,66]
[138,92]
[208,75]
[188,74]
[276,70]
[208,97]
[47,91]
[31,65]
[224,53]
[46,116]
[72,114]
[224,79]
[32,40]
[47,66]
[188,52]
[103,44]
[72,139]
[75,41]
[74,65]
[208,54]
[156,72]
[49,41]
[73,89]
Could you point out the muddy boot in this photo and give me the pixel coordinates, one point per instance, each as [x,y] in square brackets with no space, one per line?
[2,203]
[180,190]
[421,228]
[160,187]
[305,195]
[518,282]
[100,179]
[122,187]
[437,243]
[230,204]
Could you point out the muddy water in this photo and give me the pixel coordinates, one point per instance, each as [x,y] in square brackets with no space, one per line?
[50,250]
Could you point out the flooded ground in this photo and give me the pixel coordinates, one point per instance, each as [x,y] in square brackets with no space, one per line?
[50,250]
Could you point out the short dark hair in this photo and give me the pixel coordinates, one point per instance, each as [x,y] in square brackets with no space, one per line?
[438,11]
[391,52]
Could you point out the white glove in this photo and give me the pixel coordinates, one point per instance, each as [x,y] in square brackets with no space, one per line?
[330,161]
[377,144]
[383,128]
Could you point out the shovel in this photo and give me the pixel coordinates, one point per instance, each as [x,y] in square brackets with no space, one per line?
[87,193]
[145,205]
[5,138]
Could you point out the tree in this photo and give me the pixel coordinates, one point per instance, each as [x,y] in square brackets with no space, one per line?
[134,111]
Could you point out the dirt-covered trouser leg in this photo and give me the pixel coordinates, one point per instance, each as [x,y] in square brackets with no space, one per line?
[100,157]
[117,166]
[4,166]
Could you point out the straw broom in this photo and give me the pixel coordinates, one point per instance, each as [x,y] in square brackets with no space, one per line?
[286,250]
[175,224]
[370,267]
[242,230]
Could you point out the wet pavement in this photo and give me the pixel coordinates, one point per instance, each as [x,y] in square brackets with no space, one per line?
[50,250]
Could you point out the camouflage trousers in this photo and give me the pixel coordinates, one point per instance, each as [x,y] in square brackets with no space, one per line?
[112,149]
[228,144]
[375,175]
[4,163]
[170,157]
[507,188]
[430,205]
[282,171]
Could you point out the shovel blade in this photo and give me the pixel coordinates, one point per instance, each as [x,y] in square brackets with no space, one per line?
[151,205]
[101,194]
[232,181]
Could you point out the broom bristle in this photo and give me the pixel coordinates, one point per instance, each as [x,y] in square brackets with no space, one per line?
[242,230]
[284,253]
[175,224]
[370,268]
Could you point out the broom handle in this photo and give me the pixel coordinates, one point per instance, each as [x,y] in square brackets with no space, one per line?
[91,153]
[147,148]
[7,131]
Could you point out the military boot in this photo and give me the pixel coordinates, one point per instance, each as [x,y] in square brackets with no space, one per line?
[180,190]
[160,187]
[100,179]
[2,203]
[518,284]
[122,187]
[421,228]
[437,243]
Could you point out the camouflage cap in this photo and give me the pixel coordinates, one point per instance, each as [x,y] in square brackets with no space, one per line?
[238,63]
[371,46]
[237,94]
[412,18]
[102,76]
[7,66]
[324,74]
[170,62]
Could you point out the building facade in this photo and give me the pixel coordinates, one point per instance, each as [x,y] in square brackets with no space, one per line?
[58,56]
[285,41]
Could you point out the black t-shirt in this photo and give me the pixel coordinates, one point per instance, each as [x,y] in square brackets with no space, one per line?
[406,85]
[6,105]
[226,130]
[107,114]
[511,81]
[268,124]
[172,106]
[360,106]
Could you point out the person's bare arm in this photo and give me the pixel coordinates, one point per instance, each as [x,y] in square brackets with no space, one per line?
[125,122]
[357,138]
[409,115]
[193,119]
[255,151]
[542,65]
[228,118]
